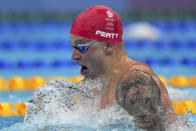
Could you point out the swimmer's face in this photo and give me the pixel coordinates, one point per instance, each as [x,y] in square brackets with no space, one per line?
[92,60]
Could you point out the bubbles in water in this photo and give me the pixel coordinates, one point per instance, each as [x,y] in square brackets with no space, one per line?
[181,125]
[74,105]
[177,94]
[63,105]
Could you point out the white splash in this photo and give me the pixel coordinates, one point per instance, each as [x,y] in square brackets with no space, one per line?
[181,125]
[177,94]
[62,105]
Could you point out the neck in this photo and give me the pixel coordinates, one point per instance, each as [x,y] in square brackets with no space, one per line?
[116,66]
[113,74]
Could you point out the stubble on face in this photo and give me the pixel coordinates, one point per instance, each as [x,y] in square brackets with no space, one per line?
[94,59]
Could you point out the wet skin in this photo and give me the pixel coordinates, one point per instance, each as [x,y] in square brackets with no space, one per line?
[145,99]
[132,84]
[93,58]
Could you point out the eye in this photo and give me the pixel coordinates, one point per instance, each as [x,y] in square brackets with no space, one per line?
[76,48]
[81,48]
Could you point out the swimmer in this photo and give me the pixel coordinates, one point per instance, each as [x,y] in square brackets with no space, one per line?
[96,38]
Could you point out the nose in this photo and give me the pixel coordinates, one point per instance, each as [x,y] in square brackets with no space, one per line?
[76,55]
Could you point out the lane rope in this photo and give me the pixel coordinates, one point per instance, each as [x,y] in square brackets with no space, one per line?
[11,109]
[6,64]
[31,83]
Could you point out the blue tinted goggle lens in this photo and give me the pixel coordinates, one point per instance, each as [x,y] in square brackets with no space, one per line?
[81,48]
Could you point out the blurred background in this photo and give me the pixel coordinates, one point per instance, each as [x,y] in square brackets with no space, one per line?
[35,45]
[34,35]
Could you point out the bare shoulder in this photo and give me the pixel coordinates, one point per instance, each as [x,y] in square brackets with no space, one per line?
[138,65]
[139,94]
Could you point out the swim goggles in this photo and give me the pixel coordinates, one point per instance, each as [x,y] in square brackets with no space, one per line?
[82,47]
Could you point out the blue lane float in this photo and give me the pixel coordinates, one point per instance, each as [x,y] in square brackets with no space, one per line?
[26,45]
[58,63]
[32,45]
[172,25]
[62,63]
[42,45]
[167,61]
[26,64]
[188,61]
[20,27]
[39,63]
[23,64]
[58,44]
[177,45]
[151,61]
[176,25]
[139,44]
[191,44]
[9,45]
[6,64]
[160,45]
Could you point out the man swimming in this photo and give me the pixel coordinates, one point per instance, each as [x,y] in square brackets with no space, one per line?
[96,38]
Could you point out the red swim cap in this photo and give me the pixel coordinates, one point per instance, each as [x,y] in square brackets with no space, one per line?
[98,23]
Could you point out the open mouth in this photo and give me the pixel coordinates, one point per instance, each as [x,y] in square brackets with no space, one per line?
[144,124]
[83,70]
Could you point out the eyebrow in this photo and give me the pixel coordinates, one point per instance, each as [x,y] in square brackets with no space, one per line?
[78,41]
[81,41]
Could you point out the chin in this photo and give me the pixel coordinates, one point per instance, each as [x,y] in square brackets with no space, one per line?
[144,125]
[92,76]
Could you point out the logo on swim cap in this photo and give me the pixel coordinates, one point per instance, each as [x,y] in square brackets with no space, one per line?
[110,15]
[110,24]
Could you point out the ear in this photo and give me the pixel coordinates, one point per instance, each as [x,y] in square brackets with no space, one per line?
[108,48]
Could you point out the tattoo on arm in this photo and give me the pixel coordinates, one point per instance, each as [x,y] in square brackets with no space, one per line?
[139,95]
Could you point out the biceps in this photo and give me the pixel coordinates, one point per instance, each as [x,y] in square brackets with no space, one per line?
[137,98]
[138,91]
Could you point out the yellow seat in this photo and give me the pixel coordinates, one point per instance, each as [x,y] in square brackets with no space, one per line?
[192,81]
[21,108]
[56,78]
[163,80]
[6,108]
[182,107]
[179,81]
[34,82]
[16,83]
[75,79]
[191,105]
[179,107]
[2,84]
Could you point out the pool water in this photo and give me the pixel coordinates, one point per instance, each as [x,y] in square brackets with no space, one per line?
[16,122]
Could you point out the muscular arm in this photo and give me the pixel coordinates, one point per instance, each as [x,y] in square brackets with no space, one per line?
[139,94]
